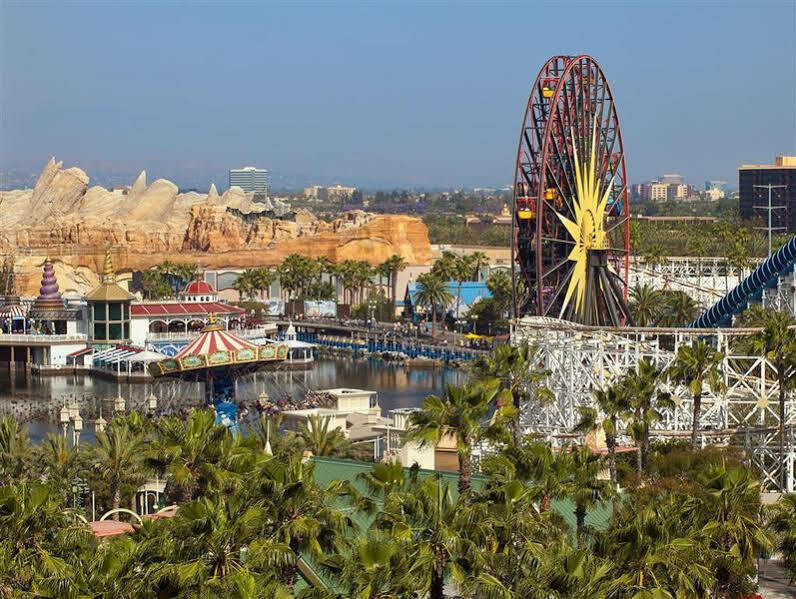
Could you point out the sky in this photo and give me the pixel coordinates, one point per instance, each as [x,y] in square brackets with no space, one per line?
[382,94]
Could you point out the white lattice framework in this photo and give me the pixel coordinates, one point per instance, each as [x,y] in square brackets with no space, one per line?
[582,359]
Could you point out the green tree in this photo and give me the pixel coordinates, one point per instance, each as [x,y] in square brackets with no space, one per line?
[677,309]
[14,450]
[585,487]
[695,365]
[38,542]
[429,517]
[191,454]
[782,523]
[245,284]
[462,412]
[612,403]
[321,441]
[118,456]
[393,267]
[300,513]
[499,285]
[644,304]
[516,367]
[776,340]
[644,401]
[432,293]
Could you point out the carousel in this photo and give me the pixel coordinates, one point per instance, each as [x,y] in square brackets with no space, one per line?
[217,358]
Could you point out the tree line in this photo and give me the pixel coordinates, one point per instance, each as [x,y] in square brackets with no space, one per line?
[526,519]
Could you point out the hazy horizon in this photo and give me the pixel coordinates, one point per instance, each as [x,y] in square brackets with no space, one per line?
[382,96]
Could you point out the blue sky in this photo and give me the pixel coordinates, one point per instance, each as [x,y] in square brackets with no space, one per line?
[384,94]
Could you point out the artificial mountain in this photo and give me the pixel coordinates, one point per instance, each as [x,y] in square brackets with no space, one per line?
[65,219]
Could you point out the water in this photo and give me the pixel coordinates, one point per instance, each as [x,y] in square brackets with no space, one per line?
[36,401]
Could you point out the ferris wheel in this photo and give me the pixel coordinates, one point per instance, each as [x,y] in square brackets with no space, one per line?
[570,231]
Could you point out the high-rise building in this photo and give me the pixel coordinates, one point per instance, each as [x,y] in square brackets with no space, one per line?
[658,192]
[754,200]
[676,191]
[250,179]
[672,179]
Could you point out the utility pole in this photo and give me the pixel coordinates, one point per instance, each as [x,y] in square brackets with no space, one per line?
[769,209]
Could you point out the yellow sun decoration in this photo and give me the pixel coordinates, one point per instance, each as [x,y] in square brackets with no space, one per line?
[587,230]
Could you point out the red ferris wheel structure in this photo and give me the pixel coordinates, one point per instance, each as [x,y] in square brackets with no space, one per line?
[570,226]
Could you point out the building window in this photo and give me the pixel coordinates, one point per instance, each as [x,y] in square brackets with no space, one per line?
[114,311]
[99,331]
[99,311]
[115,331]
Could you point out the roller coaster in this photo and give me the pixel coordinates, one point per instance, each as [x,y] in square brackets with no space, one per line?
[571,272]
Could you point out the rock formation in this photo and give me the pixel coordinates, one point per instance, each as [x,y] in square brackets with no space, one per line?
[65,219]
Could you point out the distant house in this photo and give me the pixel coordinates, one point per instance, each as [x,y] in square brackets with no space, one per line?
[471,292]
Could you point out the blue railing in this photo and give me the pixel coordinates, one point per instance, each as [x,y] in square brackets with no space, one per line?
[408,348]
[751,288]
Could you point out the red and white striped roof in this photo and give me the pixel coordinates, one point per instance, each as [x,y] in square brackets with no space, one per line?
[214,340]
[12,311]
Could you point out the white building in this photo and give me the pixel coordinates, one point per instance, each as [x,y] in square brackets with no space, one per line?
[250,178]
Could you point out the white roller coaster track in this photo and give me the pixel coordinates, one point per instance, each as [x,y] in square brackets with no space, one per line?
[583,359]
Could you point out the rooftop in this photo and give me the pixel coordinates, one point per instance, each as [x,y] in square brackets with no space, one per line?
[781,161]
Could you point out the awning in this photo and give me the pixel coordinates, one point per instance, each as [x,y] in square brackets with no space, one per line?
[115,354]
[13,312]
[80,352]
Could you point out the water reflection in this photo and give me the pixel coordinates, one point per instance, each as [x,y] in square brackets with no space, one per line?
[36,400]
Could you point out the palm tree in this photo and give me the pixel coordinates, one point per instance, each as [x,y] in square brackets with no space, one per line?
[444,267]
[262,280]
[499,284]
[119,458]
[644,304]
[586,488]
[321,441]
[777,342]
[478,260]
[516,367]
[432,292]
[380,566]
[220,547]
[462,271]
[783,524]
[14,449]
[694,365]
[190,454]
[393,266]
[432,520]
[300,514]
[612,403]
[245,284]
[644,399]
[59,462]
[678,308]
[461,413]
[38,542]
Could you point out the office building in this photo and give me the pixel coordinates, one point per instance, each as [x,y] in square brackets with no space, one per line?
[754,200]
[315,192]
[338,192]
[676,191]
[658,192]
[714,194]
[672,179]
[250,179]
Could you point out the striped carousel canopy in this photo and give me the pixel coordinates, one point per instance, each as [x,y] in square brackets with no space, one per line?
[216,347]
[213,339]
[13,311]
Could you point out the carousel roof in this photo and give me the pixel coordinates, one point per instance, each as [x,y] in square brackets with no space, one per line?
[14,311]
[216,347]
[213,340]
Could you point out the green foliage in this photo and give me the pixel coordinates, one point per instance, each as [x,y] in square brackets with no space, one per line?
[538,523]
